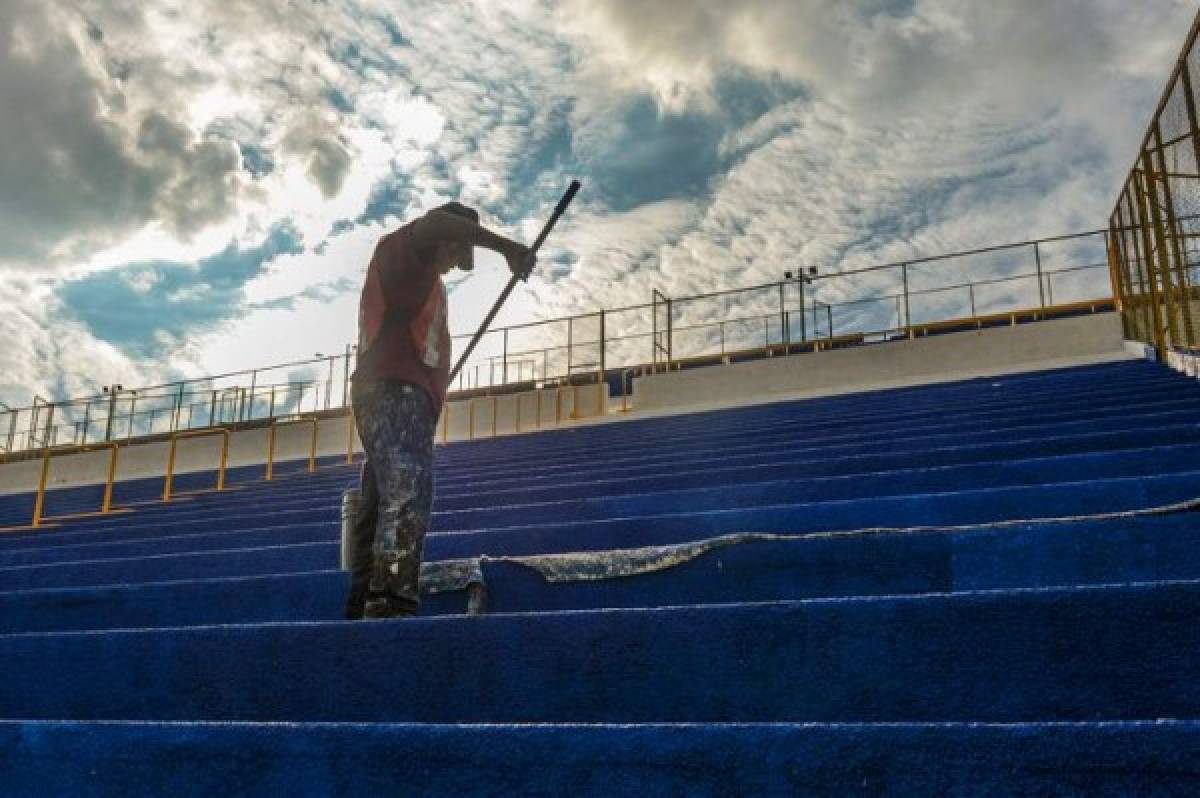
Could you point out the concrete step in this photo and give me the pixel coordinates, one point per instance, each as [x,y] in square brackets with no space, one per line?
[1147,758]
[559,532]
[1075,654]
[747,569]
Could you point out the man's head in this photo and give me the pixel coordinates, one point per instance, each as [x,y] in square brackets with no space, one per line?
[452,254]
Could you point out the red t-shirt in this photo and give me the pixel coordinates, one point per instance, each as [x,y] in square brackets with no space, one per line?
[403,332]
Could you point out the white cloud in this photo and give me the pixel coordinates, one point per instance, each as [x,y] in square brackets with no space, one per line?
[910,129]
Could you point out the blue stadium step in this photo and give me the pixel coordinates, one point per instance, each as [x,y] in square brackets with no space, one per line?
[561,534]
[1145,758]
[832,455]
[707,490]
[1093,552]
[174,543]
[798,433]
[306,596]
[720,495]
[799,423]
[856,410]
[790,434]
[754,468]
[848,445]
[205,564]
[978,394]
[1078,654]
[1071,499]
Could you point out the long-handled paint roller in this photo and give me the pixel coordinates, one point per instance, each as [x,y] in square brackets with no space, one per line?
[558,211]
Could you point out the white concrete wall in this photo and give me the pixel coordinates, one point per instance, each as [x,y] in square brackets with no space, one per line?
[537,409]
[944,358]
[941,358]
[248,447]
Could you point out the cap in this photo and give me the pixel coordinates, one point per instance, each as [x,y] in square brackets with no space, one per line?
[467,262]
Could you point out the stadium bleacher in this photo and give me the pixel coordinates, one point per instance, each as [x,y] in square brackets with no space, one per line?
[980,587]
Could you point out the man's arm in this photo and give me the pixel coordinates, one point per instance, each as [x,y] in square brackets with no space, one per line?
[437,226]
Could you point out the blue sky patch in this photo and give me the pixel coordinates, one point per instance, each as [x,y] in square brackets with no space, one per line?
[143,308]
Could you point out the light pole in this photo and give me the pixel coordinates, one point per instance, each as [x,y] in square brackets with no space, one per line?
[12,425]
[112,391]
[802,279]
[350,349]
[329,379]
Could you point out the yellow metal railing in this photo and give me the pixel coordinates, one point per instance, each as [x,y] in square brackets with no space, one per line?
[312,450]
[350,437]
[561,412]
[106,504]
[200,433]
[1154,227]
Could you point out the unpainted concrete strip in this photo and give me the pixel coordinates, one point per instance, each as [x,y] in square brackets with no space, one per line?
[586,566]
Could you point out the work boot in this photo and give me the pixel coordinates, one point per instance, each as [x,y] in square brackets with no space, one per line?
[386,605]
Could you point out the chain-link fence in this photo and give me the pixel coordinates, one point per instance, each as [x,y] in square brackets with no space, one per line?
[1154,231]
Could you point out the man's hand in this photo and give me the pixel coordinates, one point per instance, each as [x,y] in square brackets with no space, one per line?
[521,260]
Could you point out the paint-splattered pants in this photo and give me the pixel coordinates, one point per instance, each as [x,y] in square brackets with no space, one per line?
[396,422]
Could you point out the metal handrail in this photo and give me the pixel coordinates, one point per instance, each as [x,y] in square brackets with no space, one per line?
[106,503]
[175,395]
[200,433]
[312,451]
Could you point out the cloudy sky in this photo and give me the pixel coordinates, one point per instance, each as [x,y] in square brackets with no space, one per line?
[194,187]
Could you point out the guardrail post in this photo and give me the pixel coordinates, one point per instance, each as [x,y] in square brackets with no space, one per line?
[783,331]
[1175,255]
[312,450]
[39,503]
[603,346]
[1037,259]
[504,360]
[907,308]
[249,411]
[49,426]
[570,344]
[87,419]
[178,409]
[200,433]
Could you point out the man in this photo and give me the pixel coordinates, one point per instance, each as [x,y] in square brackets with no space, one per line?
[399,387]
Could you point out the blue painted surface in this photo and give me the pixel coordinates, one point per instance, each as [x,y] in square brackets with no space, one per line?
[1145,759]
[875,655]
[1118,653]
